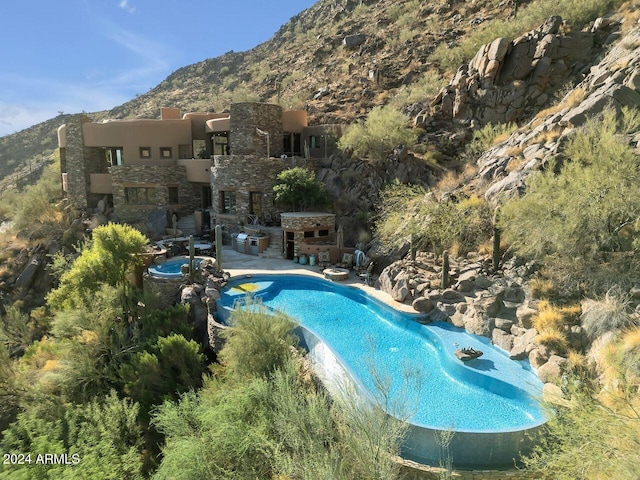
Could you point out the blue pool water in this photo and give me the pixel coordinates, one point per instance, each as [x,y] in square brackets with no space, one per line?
[491,394]
[171,268]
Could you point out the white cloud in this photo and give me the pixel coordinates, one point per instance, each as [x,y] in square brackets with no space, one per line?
[124,4]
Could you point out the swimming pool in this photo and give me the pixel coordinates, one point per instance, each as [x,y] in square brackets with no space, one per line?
[490,403]
[172,267]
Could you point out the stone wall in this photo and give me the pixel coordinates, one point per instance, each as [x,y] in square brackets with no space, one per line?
[243,136]
[243,174]
[160,177]
[74,162]
[298,223]
[166,290]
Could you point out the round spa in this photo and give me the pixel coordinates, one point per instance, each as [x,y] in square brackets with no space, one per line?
[355,341]
[172,268]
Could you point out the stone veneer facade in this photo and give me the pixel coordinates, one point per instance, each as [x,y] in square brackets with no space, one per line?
[296,224]
[72,160]
[161,178]
[245,118]
[243,174]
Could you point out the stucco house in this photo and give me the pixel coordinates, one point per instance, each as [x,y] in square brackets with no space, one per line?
[224,164]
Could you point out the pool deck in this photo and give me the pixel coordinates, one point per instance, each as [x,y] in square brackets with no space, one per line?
[238,264]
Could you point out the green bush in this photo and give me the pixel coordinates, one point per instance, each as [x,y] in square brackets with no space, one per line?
[297,188]
[258,342]
[100,438]
[406,211]
[384,129]
[107,259]
[586,440]
[579,215]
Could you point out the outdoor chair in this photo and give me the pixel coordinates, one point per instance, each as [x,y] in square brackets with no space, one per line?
[324,259]
[347,261]
[367,275]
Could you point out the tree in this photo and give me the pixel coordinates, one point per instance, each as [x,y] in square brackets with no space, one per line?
[581,214]
[101,439]
[406,211]
[107,259]
[297,187]
[384,129]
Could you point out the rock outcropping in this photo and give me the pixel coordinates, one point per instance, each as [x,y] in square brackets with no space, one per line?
[613,82]
[506,80]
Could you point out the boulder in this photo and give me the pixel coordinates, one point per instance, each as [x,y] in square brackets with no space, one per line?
[451,295]
[354,41]
[502,339]
[552,393]
[28,275]
[538,357]
[423,305]
[552,370]
[400,290]
[523,345]
[465,286]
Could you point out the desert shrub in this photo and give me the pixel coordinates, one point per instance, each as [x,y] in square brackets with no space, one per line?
[257,343]
[630,354]
[529,16]
[409,211]
[34,208]
[579,215]
[586,440]
[384,129]
[612,313]
[106,259]
[423,90]
[172,366]
[554,340]
[102,437]
[540,287]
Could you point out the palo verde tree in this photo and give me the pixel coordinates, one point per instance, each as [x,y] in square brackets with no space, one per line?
[384,129]
[581,215]
[107,258]
[407,211]
[297,188]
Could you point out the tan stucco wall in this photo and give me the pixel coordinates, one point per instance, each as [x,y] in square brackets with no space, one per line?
[294,121]
[62,136]
[133,134]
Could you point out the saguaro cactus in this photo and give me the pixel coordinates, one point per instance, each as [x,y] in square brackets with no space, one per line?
[192,252]
[496,242]
[219,247]
[445,270]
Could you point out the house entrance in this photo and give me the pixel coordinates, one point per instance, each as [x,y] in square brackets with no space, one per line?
[206,197]
[289,245]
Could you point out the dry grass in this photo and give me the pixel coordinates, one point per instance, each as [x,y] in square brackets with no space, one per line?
[548,136]
[516,164]
[572,99]
[556,341]
[542,288]
[554,318]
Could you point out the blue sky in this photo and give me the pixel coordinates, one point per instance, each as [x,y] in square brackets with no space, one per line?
[75,55]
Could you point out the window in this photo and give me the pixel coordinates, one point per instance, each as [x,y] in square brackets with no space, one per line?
[145,152]
[220,143]
[314,141]
[309,234]
[174,197]
[113,156]
[255,204]
[228,202]
[323,233]
[140,195]
[165,152]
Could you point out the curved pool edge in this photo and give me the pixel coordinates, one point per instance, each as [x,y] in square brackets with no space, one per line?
[467,449]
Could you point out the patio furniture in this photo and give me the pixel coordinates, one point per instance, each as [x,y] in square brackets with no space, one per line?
[346,262]
[367,275]
[324,259]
